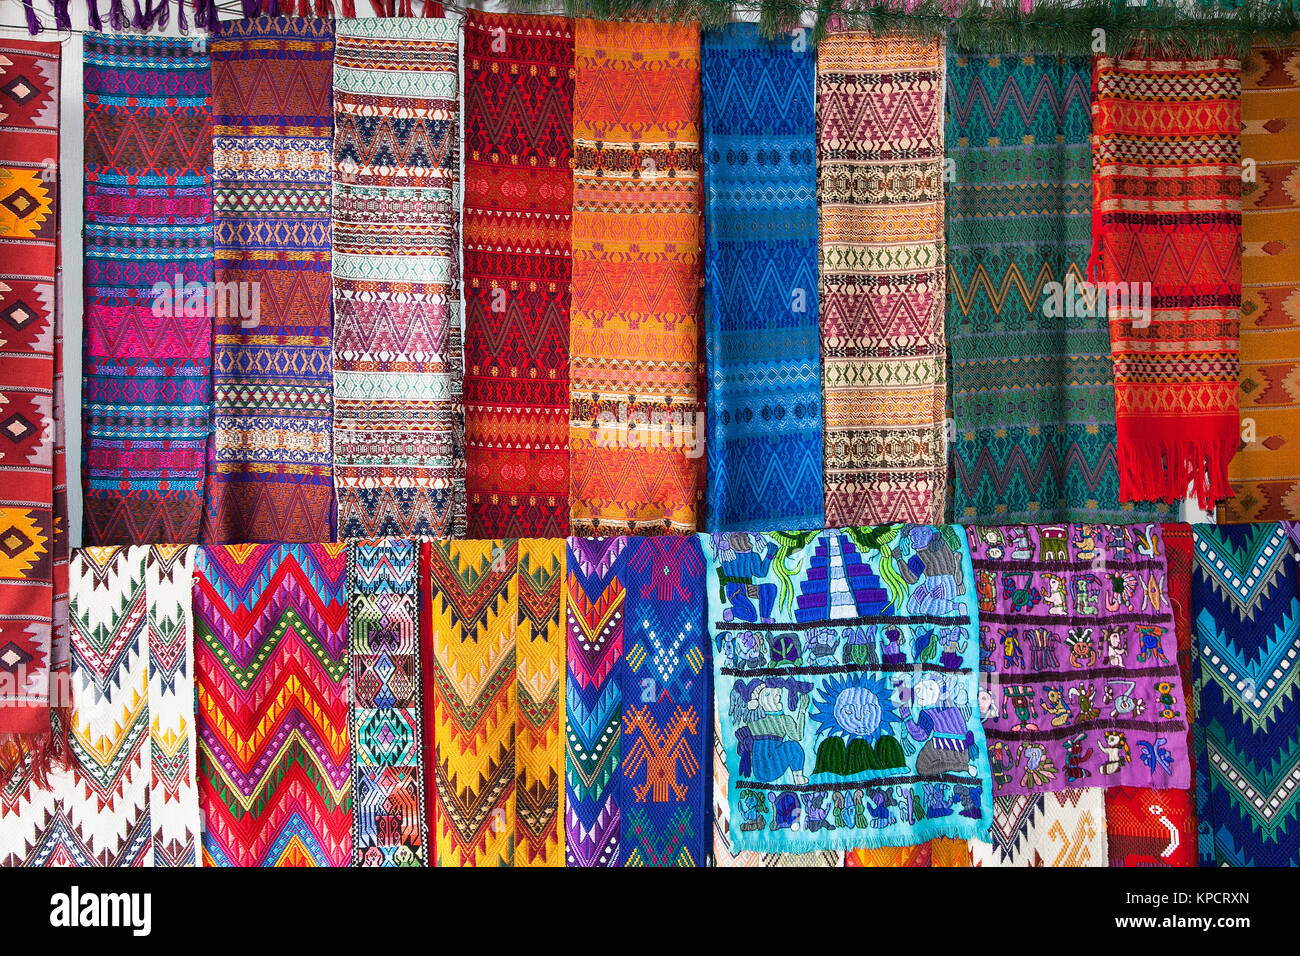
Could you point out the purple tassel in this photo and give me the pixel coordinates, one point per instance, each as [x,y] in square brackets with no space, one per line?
[182,24]
[62,17]
[162,13]
[138,20]
[96,21]
[117,17]
[33,25]
[272,8]
[206,16]
[251,9]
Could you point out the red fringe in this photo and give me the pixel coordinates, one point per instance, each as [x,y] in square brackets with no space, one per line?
[432,9]
[324,8]
[304,8]
[1155,470]
[35,754]
[349,9]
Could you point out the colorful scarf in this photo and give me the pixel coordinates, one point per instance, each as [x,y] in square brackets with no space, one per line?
[1166,235]
[518,265]
[941,852]
[270,476]
[495,624]
[1148,827]
[1033,398]
[1063,828]
[760,300]
[1077,633]
[635,438]
[880,205]
[844,672]
[636,704]
[399,428]
[1265,474]
[1246,606]
[271,659]
[33,505]
[148,266]
[129,798]
[386,708]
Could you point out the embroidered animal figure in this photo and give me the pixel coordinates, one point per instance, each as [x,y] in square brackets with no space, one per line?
[821,646]
[1022,598]
[1145,541]
[1054,706]
[1123,585]
[1149,636]
[1041,649]
[1125,704]
[1021,699]
[1118,542]
[1114,747]
[1022,549]
[993,542]
[1086,591]
[1039,768]
[1116,644]
[1074,758]
[1054,596]
[1012,656]
[1000,763]
[1079,642]
[987,647]
[986,590]
[1052,543]
[1086,542]
[1084,696]
[1155,756]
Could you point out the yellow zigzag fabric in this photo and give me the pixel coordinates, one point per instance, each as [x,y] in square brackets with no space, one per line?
[494,620]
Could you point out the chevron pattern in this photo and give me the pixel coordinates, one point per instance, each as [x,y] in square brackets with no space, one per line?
[1246,603]
[1176,364]
[764,435]
[1033,397]
[399,429]
[518,267]
[634,321]
[387,707]
[272,115]
[148,207]
[880,229]
[1064,828]
[271,658]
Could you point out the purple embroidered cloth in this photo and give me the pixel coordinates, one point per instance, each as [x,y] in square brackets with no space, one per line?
[1079,671]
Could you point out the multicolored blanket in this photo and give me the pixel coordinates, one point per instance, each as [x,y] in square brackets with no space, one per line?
[764,438]
[1166,235]
[880,167]
[386,713]
[129,797]
[399,427]
[148,272]
[271,659]
[519,79]
[1033,396]
[845,679]
[1064,828]
[1246,604]
[636,435]
[1077,636]
[494,615]
[636,703]
[1265,474]
[270,476]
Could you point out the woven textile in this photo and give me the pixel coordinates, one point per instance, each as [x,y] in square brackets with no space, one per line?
[1246,612]
[271,659]
[495,633]
[147,272]
[1033,396]
[941,852]
[386,713]
[760,298]
[635,438]
[270,476]
[844,671]
[129,797]
[33,504]
[880,205]
[518,212]
[1265,474]
[1148,827]
[636,704]
[1166,161]
[1063,828]
[1077,631]
[399,428]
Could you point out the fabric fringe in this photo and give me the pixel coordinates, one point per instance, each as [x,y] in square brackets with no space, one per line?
[349,8]
[117,17]
[324,9]
[36,754]
[96,21]
[1155,470]
[62,15]
[33,24]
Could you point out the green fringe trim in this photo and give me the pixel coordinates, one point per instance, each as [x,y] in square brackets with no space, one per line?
[1182,27]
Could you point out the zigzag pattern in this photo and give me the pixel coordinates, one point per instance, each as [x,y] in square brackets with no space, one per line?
[764,403]
[1247,616]
[1064,828]
[271,658]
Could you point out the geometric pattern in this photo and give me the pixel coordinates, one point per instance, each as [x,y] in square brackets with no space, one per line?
[517,224]
[764,439]
[1247,618]
[1167,184]
[634,439]
[147,269]
[1265,474]
[271,663]
[388,801]
[33,502]
[399,425]
[1065,828]
[880,207]
[269,474]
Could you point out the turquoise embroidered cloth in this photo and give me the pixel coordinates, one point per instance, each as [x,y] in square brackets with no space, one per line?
[845,668]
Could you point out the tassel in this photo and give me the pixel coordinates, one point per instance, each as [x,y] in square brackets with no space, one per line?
[304,8]
[117,17]
[62,16]
[251,9]
[406,8]
[324,8]
[272,8]
[96,21]
[33,24]
[432,9]
[348,8]
[162,13]
[138,20]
